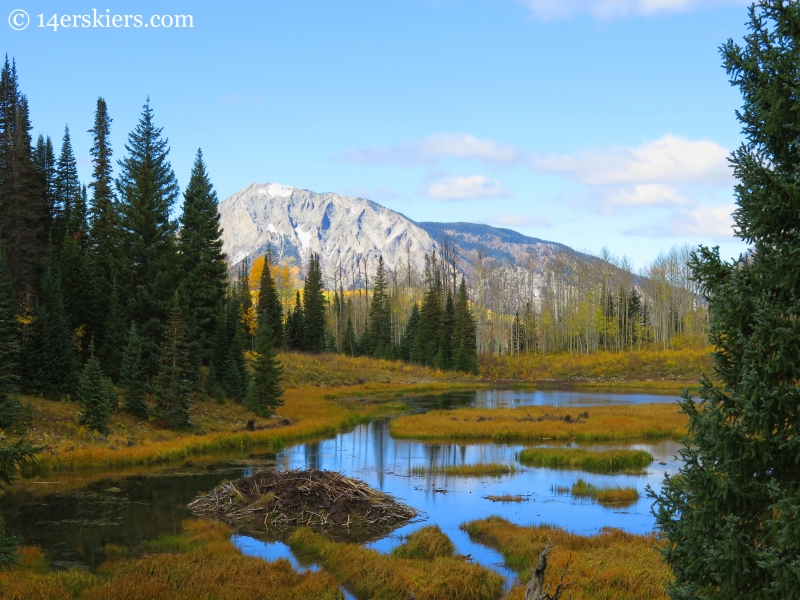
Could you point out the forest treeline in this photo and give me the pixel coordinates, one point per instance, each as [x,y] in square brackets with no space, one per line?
[107,299]
[567,302]
[110,301]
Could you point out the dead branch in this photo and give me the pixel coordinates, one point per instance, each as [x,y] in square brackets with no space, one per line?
[535,589]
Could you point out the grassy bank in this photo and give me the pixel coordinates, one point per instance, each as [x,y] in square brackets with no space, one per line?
[605,494]
[611,565]
[669,369]
[310,411]
[334,370]
[495,469]
[593,461]
[201,563]
[535,423]
[433,573]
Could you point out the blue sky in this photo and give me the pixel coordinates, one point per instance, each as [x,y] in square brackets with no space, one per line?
[588,122]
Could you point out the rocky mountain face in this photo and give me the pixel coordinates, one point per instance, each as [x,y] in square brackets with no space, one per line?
[349,233]
[346,232]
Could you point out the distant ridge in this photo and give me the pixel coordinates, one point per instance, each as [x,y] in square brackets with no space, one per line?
[349,233]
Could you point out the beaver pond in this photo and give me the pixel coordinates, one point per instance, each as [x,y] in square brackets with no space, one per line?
[73,520]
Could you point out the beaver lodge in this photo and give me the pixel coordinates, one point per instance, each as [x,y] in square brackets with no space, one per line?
[310,497]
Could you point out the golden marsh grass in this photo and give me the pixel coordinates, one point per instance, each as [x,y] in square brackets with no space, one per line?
[604,494]
[307,414]
[679,367]
[612,565]
[496,469]
[593,461]
[370,574]
[537,423]
[200,564]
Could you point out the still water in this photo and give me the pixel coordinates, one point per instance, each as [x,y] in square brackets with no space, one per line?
[73,522]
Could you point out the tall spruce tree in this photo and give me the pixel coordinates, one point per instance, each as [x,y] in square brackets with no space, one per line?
[9,349]
[444,354]
[132,377]
[96,396]
[203,262]
[730,516]
[116,331]
[49,360]
[173,385]
[247,316]
[406,347]
[379,340]
[349,340]
[270,311]
[265,393]
[465,357]
[23,208]
[314,307]
[149,268]
[426,345]
[80,295]
[295,326]
[228,370]
[46,164]
[103,214]
[66,190]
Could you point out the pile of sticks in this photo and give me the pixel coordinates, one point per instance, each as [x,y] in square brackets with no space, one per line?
[301,497]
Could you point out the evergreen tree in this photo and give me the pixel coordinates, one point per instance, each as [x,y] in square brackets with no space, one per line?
[426,345]
[269,304]
[116,328]
[295,326]
[66,189]
[264,394]
[80,293]
[634,317]
[379,340]
[9,349]
[247,312]
[409,334]
[228,370]
[465,358]
[23,209]
[96,396]
[444,354]
[103,231]
[46,164]
[48,352]
[313,308]
[173,385]
[132,376]
[349,341]
[203,262]
[149,270]
[730,516]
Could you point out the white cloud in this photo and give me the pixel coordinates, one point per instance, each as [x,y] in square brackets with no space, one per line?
[670,160]
[467,187]
[646,194]
[549,10]
[703,221]
[432,148]
[515,220]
